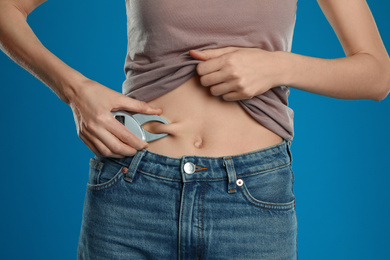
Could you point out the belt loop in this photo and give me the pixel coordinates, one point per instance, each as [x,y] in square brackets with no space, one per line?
[132,169]
[232,178]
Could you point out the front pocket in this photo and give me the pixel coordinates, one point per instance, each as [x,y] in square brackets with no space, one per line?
[271,190]
[103,174]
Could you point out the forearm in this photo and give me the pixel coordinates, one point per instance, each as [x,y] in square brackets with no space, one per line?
[19,42]
[359,76]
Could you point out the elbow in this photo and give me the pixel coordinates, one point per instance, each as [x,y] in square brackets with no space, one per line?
[383,94]
[385,88]
[382,88]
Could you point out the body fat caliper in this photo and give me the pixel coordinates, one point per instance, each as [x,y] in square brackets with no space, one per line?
[134,123]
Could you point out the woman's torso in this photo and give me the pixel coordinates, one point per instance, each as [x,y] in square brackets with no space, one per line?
[205,125]
[160,71]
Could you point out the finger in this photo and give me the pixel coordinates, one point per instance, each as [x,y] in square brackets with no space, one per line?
[131,104]
[213,78]
[125,135]
[234,96]
[97,147]
[210,66]
[222,89]
[107,149]
[217,77]
[114,145]
[199,55]
[90,145]
[101,148]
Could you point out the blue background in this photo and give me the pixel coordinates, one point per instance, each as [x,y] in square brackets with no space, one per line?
[341,148]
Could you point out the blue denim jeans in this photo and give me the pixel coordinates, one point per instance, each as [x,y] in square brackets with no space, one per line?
[151,206]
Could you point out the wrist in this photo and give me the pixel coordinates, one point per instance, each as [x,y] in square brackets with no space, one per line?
[285,68]
[69,88]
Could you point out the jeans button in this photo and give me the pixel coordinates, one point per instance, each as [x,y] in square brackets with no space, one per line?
[189,168]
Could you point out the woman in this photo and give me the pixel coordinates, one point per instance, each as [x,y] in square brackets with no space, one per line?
[220,211]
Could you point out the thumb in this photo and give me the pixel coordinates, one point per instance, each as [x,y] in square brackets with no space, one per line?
[211,53]
[199,55]
[134,105]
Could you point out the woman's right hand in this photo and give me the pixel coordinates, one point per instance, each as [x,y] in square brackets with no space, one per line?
[90,101]
[97,127]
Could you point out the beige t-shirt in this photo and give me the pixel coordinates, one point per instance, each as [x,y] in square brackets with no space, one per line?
[161,32]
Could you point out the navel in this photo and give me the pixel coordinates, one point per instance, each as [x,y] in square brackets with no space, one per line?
[198,143]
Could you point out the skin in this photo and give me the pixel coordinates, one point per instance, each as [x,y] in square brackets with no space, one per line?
[210,126]
[225,75]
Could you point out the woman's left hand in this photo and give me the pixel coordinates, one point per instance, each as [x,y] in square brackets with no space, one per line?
[238,73]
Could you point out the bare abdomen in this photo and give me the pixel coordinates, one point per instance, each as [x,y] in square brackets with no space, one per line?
[205,125]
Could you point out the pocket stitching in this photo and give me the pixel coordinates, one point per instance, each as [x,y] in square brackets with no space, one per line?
[265,205]
[106,185]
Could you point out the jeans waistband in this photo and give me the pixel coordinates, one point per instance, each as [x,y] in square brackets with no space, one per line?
[198,168]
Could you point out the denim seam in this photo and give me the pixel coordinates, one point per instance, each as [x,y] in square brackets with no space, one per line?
[95,164]
[181,222]
[198,229]
[202,230]
[292,173]
[201,239]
